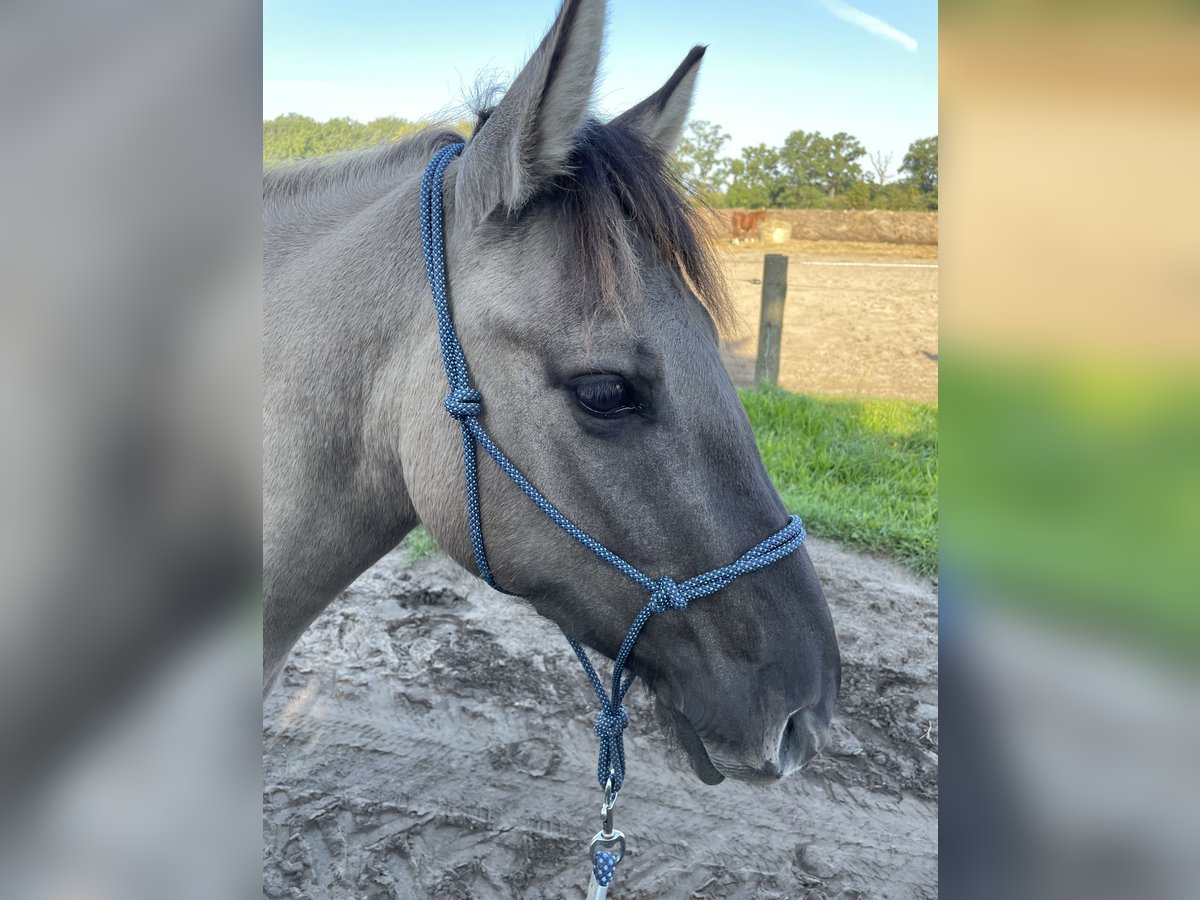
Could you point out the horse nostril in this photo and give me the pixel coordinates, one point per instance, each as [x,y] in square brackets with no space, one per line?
[803,737]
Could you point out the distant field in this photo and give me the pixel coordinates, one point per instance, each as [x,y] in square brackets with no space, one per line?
[866,249]
[884,226]
[861,320]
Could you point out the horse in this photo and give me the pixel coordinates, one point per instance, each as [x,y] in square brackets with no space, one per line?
[588,305]
[745,224]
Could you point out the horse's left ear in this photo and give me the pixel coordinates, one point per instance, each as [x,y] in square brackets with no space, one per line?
[662,115]
[528,137]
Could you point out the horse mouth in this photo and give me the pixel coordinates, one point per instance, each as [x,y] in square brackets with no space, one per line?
[713,769]
[689,739]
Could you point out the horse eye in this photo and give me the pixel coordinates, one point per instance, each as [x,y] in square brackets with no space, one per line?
[606,396]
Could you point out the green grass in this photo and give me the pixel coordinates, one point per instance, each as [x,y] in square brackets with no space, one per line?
[419,544]
[860,472]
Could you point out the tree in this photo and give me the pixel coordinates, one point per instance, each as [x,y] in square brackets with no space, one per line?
[827,163]
[388,129]
[896,196]
[699,162]
[759,179]
[882,163]
[294,136]
[288,137]
[921,165]
[857,196]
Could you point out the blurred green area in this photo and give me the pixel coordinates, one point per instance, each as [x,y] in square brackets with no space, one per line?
[1074,490]
[419,544]
[861,472]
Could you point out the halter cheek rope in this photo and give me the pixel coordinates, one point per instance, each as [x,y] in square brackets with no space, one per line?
[465,404]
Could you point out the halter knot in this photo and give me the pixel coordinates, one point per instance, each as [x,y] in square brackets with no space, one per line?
[611,722]
[463,403]
[667,595]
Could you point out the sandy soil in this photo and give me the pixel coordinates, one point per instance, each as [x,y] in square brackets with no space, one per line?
[860,319]
[432,738]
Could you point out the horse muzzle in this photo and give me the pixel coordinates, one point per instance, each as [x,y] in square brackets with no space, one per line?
[801,738]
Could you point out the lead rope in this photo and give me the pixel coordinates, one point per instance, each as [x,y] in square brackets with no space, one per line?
[465,405]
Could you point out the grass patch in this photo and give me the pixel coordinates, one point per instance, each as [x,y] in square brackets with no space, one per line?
[419,544]
[861,472]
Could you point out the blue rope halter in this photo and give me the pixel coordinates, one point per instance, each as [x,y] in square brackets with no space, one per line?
[465,404]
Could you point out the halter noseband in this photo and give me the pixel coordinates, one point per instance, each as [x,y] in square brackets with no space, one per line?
[465,404]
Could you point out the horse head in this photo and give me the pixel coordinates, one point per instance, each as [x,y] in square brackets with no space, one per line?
[588,308]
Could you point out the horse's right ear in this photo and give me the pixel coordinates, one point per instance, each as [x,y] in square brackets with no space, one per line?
[526,139]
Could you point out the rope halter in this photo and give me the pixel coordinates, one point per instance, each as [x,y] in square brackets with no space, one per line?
[464,404]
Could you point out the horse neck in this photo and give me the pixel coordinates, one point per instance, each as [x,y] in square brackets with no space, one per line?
[344,259]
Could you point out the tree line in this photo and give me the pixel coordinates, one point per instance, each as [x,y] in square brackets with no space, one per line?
[810,170]
[292,136]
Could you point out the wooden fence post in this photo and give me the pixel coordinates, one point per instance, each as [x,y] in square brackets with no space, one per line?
[770,323]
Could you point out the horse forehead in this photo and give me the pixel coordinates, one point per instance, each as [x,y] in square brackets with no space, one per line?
[535,276]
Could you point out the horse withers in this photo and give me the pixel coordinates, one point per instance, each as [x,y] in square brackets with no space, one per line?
[587,303]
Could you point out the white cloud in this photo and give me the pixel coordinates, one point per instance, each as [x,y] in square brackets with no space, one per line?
[868,22]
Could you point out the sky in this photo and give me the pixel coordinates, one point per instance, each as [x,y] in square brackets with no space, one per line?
[774,66]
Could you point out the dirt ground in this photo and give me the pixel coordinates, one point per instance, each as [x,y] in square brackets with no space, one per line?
[860,319]
[431,738]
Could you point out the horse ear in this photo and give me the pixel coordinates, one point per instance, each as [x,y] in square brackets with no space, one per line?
[526,139]
[661,116]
